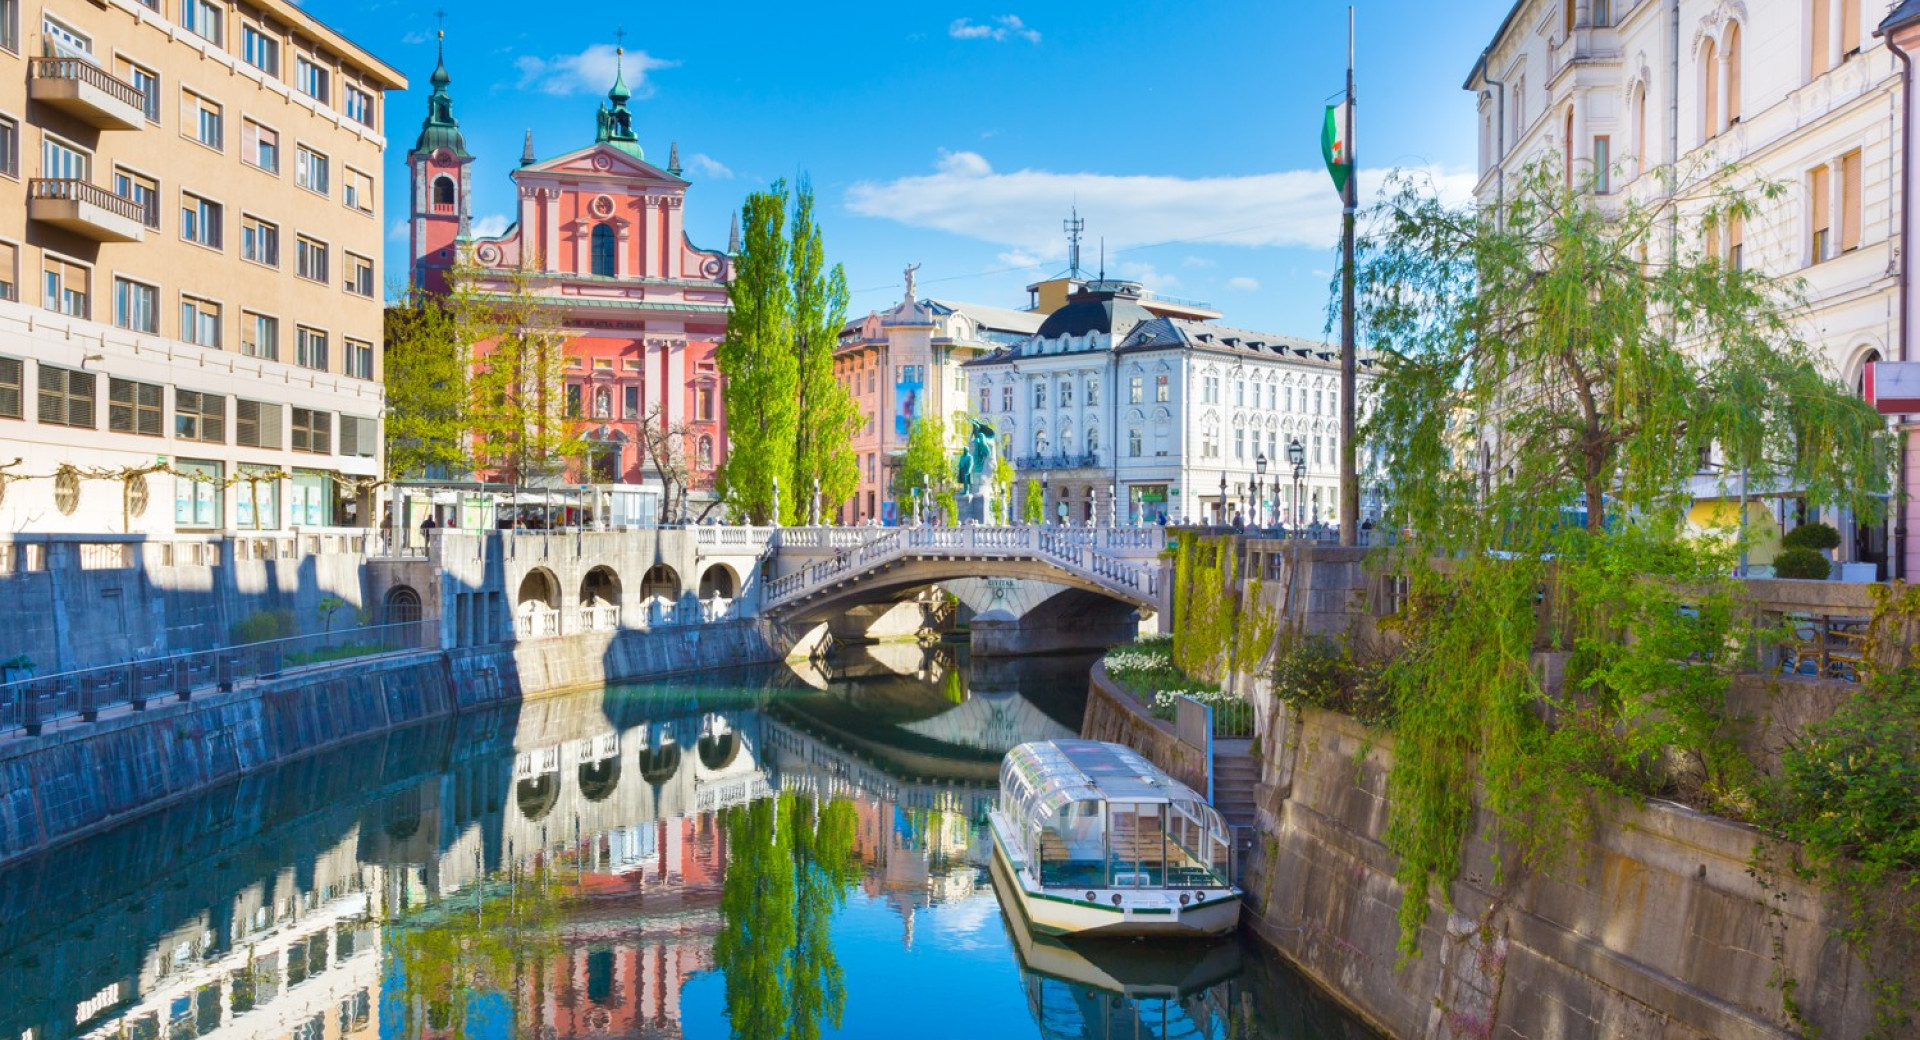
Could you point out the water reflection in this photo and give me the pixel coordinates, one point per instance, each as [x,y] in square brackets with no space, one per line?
[732,855]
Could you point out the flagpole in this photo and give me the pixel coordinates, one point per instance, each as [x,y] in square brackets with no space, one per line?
[1349,480]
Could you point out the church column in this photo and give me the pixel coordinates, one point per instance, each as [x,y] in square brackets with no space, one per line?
[550,228]
[672,220]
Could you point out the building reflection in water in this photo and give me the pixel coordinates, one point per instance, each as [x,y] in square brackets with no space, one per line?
[561,870]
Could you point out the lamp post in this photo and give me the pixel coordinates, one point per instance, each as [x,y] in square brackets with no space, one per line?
[1298,456]
[1259,485]
[1224,518]
[1043,501]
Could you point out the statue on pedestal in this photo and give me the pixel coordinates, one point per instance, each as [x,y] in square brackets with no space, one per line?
[974,470]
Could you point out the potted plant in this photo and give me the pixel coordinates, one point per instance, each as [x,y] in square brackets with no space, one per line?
[16,668]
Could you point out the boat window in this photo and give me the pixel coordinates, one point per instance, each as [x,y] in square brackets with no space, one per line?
[1073,847]
[1139,845]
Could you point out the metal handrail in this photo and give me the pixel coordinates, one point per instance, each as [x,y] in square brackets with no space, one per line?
[73,189]
[84,71]
[29,703]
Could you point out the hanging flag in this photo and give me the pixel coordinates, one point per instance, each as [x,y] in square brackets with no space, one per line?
[1333,146]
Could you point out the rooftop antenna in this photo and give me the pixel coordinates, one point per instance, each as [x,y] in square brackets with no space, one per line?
[1103,258]
[1073,226]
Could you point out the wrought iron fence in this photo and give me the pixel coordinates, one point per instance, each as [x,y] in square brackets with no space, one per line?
[30,702]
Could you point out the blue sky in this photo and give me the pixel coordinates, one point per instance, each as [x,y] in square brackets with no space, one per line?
[957,134]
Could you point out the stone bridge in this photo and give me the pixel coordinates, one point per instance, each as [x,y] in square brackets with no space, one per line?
[1028,588]
[1025,589]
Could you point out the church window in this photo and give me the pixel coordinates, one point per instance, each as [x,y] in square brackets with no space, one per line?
[603,250]
[443,192]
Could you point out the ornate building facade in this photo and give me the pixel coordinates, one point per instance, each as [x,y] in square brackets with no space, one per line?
[599,240]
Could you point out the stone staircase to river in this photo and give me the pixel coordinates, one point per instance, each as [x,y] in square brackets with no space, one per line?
[1235,773]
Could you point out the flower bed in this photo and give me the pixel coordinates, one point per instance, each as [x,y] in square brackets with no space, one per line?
[1146,670]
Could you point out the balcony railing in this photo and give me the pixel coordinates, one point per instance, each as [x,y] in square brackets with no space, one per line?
[87,208]
[79,86]
[1089,460]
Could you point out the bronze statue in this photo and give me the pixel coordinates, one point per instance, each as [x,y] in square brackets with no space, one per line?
[975,465]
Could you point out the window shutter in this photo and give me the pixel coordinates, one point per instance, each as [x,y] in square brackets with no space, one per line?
[213,418]
[349,435]
[53,389]
[120,405]
[11,371]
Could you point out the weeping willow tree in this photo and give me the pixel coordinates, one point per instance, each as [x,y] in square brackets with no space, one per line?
[1551,374]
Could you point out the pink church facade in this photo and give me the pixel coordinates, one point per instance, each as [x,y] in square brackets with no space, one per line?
[599,238]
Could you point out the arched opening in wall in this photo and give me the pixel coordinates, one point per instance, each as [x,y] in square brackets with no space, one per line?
[538,605]
[599,779]
[658,764]
[603,250]
[600,600]
[443,192]
[537,795]
[719,745]
[662,581]
[1860,374]
[719,580]
[401,606]
[601,587]
[539,589]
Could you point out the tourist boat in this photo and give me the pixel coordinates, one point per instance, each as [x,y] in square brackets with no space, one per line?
[1092,839]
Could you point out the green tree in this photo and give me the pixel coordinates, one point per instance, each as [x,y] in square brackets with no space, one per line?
[926,467]
[522,426]
[1034,509]
[1003,489]
[827,414]
[426,370]
[760,366]
[1577,355]
[790,863]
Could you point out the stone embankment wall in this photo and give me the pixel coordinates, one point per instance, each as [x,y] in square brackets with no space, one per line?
[73,780]
[1654,927]
[1116,716]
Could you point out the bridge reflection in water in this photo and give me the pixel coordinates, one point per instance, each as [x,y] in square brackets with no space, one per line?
[570,868]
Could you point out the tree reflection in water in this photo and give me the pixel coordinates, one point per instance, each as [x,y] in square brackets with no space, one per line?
[790,865]
[477,944]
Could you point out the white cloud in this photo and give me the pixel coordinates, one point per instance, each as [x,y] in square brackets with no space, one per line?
[1195,261]
[707,166]
[1006,27]
[397,231]
[589,72]
[1243,283]
[1146,274]
[1022,209]
[493,225]
[1019,258]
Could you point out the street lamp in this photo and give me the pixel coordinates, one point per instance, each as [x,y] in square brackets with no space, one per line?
[1259,484]
[1298,456]
[1224,518]
[1042,511]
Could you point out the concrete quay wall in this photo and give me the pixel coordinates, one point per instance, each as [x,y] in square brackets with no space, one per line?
[1654,926]
[75,780]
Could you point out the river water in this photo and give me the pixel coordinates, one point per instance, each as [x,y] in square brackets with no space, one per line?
[759,854]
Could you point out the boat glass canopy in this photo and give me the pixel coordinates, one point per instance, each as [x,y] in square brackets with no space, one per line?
[1101,816]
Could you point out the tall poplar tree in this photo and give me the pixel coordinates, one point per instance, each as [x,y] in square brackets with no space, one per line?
[760,367]
[828,416]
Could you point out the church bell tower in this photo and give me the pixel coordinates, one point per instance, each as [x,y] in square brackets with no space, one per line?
[439,164]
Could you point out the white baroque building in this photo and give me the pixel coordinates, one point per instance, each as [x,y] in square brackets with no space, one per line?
[1794,92]
[1126,416]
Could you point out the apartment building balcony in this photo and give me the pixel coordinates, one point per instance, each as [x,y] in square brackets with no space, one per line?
[81,88]
[85,209]
[1049,462]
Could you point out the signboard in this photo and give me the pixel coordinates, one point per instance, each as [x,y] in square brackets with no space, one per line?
[906,399]
[1893,387]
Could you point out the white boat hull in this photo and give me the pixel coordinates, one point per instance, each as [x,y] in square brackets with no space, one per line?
[1137,912]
